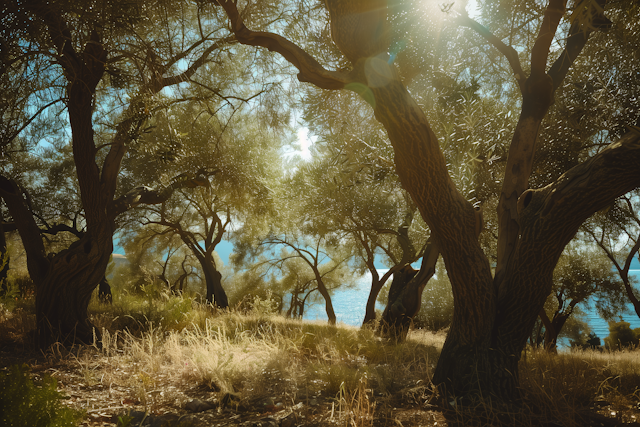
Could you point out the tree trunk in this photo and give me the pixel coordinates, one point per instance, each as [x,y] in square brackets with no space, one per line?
[405,295]
[63,296]
[549,331]
[370,310]
[4,260]
[213,280]
[551,334]
[549,218]
[328,305]
[464,362]
[64,283]
[396,318]
[104,292]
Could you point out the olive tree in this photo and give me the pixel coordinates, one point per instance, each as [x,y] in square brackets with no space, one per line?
[86,42]
[494,313]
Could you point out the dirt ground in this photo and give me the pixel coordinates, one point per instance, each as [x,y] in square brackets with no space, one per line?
[110,393]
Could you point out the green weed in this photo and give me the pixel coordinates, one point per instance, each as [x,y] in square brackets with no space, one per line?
[24,402]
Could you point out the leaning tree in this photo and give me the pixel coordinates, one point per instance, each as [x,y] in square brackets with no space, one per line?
[494,313]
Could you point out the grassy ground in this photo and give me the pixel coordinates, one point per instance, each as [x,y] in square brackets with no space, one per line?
[165,357]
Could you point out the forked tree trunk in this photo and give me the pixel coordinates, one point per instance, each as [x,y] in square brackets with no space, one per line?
[405,295]
[64,282]
[464,364]
[399,312]
[551,334]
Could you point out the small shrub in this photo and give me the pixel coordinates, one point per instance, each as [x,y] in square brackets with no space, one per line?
[589,341]
[29,404]
[621,336]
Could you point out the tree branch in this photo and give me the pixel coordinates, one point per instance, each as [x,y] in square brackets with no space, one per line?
[186,75]
[309,69]
[149,196]
[37,262]
[508,51]
[540,51]
[137,113]
[576,40]
[58,228]
[586,188]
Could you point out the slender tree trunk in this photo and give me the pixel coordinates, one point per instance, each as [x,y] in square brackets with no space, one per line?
[331,314]
[213,280]
[370,310]
[4,260]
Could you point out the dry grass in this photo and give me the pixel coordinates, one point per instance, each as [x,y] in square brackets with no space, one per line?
[157,358]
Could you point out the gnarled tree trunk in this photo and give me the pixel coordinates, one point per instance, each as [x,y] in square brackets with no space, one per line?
[63,296]
[64,282]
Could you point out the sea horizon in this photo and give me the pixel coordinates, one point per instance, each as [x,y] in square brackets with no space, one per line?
[350,304]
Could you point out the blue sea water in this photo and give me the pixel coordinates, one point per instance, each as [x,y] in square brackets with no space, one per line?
[600,326]
[349,306]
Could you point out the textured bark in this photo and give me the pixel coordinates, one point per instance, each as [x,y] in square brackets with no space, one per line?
[65,281]
[549,218]
[464,362]
[63,296]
